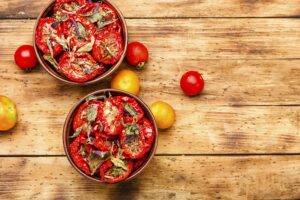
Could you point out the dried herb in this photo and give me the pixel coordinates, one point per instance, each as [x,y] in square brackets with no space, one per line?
[102,24]
[87,47]
[82,31]
[50,45]
[91,113]
[78,130]
[131,111]
[95,159]
[119,163]
[92,97]
[51,60]
[82,151]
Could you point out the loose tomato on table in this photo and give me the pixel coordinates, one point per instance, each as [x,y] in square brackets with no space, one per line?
[79,67]
[164,114]
[137,54]
[111,173]
[126,80]
[8,113]
[45,36]
[192,83]
[25,57]
[108,47]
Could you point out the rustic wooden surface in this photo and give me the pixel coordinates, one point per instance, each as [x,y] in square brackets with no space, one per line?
[239,140]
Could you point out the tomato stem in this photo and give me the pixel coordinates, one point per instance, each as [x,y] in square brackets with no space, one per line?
[140,65]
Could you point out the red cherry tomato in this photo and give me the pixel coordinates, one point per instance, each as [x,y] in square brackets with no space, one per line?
[25,57]
[192,83]
[137,54]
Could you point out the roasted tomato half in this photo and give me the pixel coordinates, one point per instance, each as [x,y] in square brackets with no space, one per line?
[103,15]
[110,115]
[108,47]
[132,142]
[104,144]
[79,67]
[68,7]
[111,173]
[81,32]
[146,128]
[132,110]
[81,117]
[45,36]
[78,151]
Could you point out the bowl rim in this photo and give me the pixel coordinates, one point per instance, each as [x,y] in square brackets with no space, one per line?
[97,79]
[145,108]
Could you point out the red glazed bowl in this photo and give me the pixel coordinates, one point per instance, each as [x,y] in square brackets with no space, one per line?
[67,132]
[48,12]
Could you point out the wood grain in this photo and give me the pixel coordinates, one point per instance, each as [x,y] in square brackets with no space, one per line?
[187,39]
[263,177]
[172,8]
[205,124]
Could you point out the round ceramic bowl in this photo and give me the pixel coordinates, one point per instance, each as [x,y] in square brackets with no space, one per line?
[48,11]
[68,131]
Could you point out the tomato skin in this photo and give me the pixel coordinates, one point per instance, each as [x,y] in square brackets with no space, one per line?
[59,3]
[76,157]
[80,74]
[80,118]
[128,141]
[103,143]
[69,28]
[41,36]
[111,120]
[137,54]
[113,43]
[146,128]
[25,57]
[134,105]
[126,80]
[192,83]
[8,113]
[107,165]
[164,114]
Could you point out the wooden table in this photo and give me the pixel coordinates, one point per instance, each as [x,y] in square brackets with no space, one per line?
[239,140]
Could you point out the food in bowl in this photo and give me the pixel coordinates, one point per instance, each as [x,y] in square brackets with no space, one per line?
[80,39]
[111,138]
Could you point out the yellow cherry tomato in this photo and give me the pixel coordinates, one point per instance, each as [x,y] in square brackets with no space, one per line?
[8,113]
[164,114]
[126,80]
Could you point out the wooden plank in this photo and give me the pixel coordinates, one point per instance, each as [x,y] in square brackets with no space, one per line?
[172,8]
[262,177]
[190,39]
[204,124]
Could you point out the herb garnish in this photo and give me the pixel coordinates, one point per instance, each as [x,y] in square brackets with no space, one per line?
[96,158]
[78,130]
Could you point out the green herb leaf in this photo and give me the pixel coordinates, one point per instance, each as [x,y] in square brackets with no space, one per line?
[51,60]
[119,163]
[91,113]
[82,151]
[131,111]
[82,31]
[102,24]
[87,47]
[94,17]
[78,130]
[96,158]
[93,97]
[50,46]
